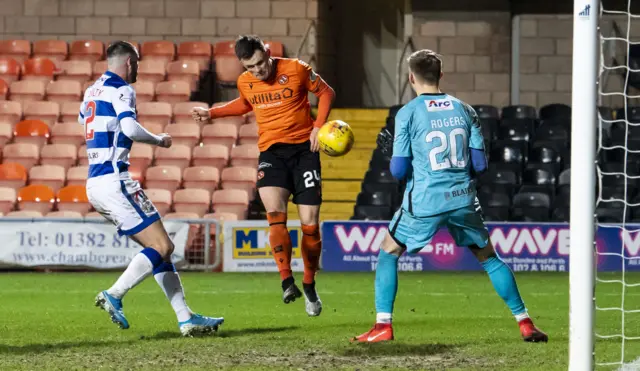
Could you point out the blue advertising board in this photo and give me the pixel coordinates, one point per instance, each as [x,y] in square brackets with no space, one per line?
[353,247]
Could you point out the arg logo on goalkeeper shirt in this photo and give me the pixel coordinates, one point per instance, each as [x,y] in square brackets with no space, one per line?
[435,105]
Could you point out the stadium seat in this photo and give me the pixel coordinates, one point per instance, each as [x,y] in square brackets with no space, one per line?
[199,51]
[379,176]
[152,70]
[98,69]
[4,90]
[75,70]
[145,91]
[65,155]
[25,154]
[86,50]
[612,212]
[163,177]
[93,215]
[173,91]
[49,175]
[187,134]
[240,178]
[16,49]
[47,112]
[248,134]
[26,214]
[193,200]
[77,175]
[6,133]
[187,71]
[236,121]
[31,131]
[513,131]
[38,69]
[162,50]
[154,112]
[509,153]
[374,199]
[245,155]
[276,48]
[220,134]
[64,91]
[69,111]
[545,153]
[531,207]
[154,127]
[227,66]
[73,198]
[25,90]
[201,177]
[495,205]
[141,156]
[161,199]
[233,201]
[519,112]
[182,112]
[10,112]
[556,110]
[12,175]
[631,114]
[221,216]
[9,69]
[55,50]
[503,176]
[178,155]
[64,214]
[81,155]
[36,197]
[183,215]
[136,174]
[486,111]
[67,133]
[379,160]
[8,198]
[214,155]
[368,212]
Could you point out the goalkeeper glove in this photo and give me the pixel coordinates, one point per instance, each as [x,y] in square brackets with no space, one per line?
[385,141]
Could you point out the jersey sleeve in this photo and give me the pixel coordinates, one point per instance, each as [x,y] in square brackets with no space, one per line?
[476,140]
[402,138]
[312,81]
[124,102]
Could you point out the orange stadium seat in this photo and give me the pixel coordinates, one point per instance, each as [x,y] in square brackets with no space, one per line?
[221,216]
[202,177]
[277,49]
[9,69]
[161,198]
[199,51]
[178,155]
[154,112]
[152,70]
[25,90]
[163,177]
[16,49]
[4,90]
[77,175]
[187,71]
[245,155]
[173,91]
[75,70]
[67,133]
[227,48]
[49,175]
[134,43]
[12,175]
[154,127]
[192,201]
[73,198]
[145,91]
[182,111]
[65,155]
[86,85]
[6,133]
[64,91]
[228,69]
[248,134]
[163,50]
[36,197]
[233,201]
[81,154]
[47,112]
[67,214]
[98,69]
[27,214]
[93,215]
[187,134]
[222,134]
[240,178]
[31,131]
[174,215]
[40,69]
[10,112]
[69,111]
[236,121]
[86,50]
[136,174]
[140,156]
[214,155]
[56,50]
[8,198]
[25,154]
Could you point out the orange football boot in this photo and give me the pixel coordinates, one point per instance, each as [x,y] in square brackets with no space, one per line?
[380,332]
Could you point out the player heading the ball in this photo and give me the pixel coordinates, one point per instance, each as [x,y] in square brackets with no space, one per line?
[276,89]
[108,114]
[439,148]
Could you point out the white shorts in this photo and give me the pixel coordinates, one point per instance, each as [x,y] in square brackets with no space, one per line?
[122,202]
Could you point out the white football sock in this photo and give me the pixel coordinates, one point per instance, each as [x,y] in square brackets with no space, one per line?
[521,316]
[139,268]
[383,318]
[172,287]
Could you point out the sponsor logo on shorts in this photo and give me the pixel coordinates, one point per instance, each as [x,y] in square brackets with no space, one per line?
[260,174]
[283,79]
[263,165]
[144,203]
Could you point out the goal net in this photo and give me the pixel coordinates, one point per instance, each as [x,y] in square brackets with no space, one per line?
[605,305]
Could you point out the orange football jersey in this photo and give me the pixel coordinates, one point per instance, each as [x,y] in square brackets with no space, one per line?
[281,105]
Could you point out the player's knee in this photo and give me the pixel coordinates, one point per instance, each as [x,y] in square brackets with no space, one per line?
[483,253]
[391,246]
[164,246]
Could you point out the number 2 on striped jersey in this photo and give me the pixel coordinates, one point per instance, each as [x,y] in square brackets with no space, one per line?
[88,119]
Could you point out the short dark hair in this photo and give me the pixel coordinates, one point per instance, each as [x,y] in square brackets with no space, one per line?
[246,45]
[426,65]
[121,48]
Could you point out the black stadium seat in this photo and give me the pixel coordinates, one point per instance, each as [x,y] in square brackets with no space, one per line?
[515,132]
[612,212]
[519,112]
[508,153]
[374,199]
[555,110]
[363,212]
[531,207]
[379,176]
[489,128]
[486,111]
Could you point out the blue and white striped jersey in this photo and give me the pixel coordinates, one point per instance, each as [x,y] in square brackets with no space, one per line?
[109,100]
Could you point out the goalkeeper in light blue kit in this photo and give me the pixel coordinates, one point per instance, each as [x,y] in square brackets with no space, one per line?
[438,147]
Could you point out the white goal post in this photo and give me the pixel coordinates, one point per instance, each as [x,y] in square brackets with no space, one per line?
[583,183]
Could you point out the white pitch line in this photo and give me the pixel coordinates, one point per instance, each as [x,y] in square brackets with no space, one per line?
[633,366]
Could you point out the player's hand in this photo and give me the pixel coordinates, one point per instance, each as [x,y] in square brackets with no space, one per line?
[315,144]
[385,141]
[200,114]
[166,141]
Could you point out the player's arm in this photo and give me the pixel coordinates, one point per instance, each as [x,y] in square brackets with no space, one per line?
[476,144]
[316,85]
[401,159]
[124,105]
[236,107]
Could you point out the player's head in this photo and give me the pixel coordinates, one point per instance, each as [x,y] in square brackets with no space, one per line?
[425,68]
[254,56]
[122,59]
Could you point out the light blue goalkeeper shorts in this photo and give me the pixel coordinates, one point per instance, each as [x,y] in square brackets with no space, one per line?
[466,226]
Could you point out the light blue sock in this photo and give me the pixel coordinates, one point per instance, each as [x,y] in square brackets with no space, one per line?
[505,284]
[386,285]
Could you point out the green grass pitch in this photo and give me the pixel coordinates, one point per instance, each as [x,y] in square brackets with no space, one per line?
[443,321]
